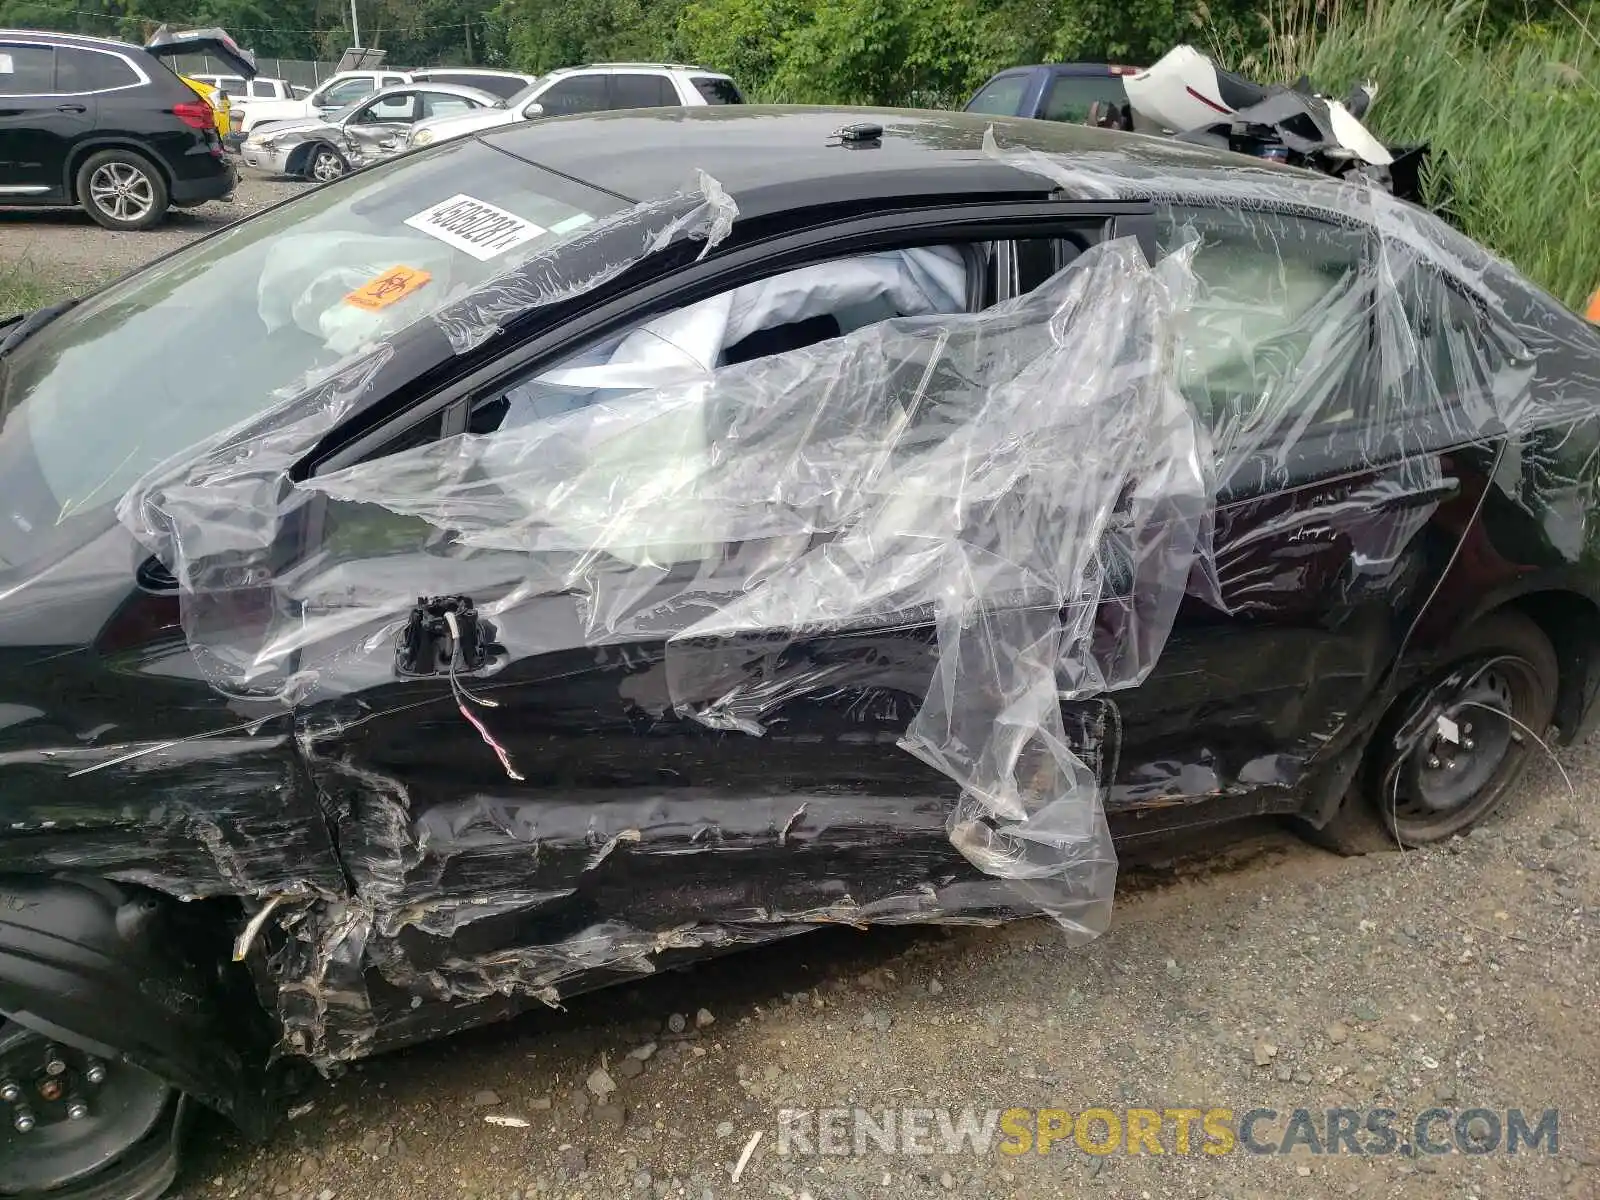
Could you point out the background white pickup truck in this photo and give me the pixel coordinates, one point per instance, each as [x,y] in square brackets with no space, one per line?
[331,95]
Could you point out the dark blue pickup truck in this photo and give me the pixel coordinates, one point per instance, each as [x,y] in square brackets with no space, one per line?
[1052,91]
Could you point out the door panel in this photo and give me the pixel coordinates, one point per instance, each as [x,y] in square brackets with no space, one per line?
[615,792]
[1329,538]
[38,126]
[379,129]
[1261,681]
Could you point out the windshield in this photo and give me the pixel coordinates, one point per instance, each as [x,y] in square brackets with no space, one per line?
[341,114]
[200,341]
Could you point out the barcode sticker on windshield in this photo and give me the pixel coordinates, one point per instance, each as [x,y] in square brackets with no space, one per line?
[470,225]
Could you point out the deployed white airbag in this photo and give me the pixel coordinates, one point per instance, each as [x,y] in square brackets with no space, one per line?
[689,343]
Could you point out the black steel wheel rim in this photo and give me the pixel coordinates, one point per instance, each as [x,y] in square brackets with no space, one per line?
[1475,741]
[49,1143]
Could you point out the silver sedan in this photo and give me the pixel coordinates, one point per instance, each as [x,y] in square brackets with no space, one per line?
[373,128]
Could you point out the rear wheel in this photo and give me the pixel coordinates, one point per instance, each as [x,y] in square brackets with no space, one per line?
[121,189]
[75,1127]
[1473,730]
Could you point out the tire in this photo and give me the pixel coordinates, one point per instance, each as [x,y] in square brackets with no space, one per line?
[122,190]
[127,1150]
[1497,695]
[1354,829]
[325,164]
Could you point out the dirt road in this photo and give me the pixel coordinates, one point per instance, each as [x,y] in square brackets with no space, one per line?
[1272,976]
[64,244]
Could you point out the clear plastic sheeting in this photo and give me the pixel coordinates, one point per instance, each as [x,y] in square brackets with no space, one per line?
[689,342]
[1450,340]
[706,214]
[970,471]
[216,513]
[1038,486]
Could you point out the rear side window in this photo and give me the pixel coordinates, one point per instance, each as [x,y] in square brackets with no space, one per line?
[27,70]
[1071,95]
[90,71]
[1001,97]
[717,91]
[575,94]
[231,85]
[1278,331]
[504,86]
[443,104]
[1464,355]
[262,90]
[642,91]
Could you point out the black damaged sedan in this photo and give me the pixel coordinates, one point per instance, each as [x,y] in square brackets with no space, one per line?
[555,556]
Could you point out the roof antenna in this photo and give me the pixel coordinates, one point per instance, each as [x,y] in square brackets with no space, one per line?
[860,136]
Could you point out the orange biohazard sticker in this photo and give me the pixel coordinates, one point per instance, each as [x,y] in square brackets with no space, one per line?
[394,284]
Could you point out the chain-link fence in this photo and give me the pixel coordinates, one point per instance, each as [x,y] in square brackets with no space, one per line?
[299,72]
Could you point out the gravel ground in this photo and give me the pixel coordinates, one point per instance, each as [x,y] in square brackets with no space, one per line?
[1257,972]
[1264,974]
[65,244]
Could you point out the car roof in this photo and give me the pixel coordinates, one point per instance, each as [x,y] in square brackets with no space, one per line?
[772,158]
[1072,68]
[472,71]
[75,39]
[439,85]
[637,66]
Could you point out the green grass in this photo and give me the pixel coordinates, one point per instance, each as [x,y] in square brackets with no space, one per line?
[24,287]
[1517,116]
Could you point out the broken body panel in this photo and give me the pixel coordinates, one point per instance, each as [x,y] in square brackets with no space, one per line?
[988,587]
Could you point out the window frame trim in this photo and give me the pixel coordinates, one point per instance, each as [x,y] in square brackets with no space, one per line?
[760,259]
[720,272]
[142,80]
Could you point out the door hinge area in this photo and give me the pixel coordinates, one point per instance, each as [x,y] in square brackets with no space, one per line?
[444,633]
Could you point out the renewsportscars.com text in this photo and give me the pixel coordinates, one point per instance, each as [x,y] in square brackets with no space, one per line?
[1181,1131]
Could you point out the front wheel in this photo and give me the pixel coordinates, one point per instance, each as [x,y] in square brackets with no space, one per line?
[122,190]
[76,1127]
[326,164]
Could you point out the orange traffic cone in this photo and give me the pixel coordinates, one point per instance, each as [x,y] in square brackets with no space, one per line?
[1594,308]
